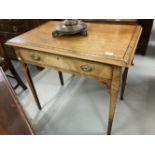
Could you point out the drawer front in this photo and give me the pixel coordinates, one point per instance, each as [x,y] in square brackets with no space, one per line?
[77,66]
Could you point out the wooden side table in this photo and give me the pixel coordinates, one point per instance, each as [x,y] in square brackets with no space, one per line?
[13,120]
[101,55]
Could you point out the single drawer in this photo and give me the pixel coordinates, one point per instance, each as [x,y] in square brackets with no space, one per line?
[72,65]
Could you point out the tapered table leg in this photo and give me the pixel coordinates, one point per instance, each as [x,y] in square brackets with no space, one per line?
[124,79]
[61,78]
[113,96]
[27,75]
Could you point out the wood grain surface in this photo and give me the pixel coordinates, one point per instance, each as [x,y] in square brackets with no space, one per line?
[106,43]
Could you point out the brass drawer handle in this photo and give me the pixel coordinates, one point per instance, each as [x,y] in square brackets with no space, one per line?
[86,68]
[35,57]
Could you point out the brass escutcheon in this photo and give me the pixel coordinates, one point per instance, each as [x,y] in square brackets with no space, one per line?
[35,57]
[86,68]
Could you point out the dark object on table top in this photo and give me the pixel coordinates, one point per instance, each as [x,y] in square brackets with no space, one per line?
[70,27]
